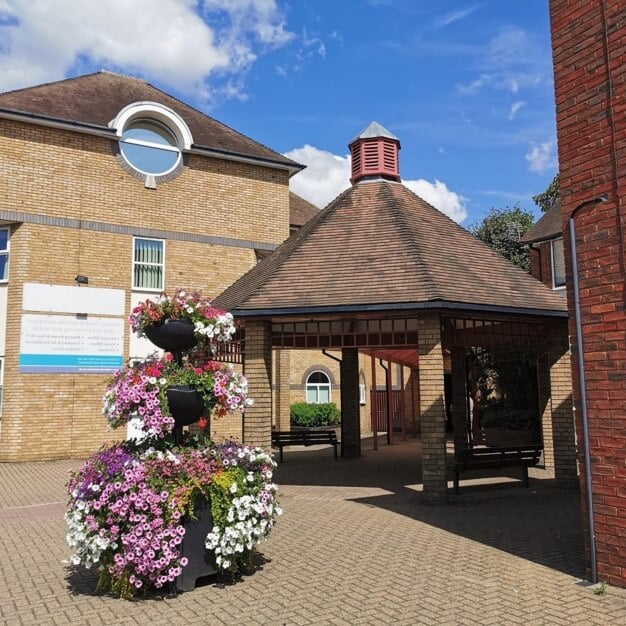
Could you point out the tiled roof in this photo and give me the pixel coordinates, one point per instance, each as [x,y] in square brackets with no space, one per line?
[378,246]
[96,99]
[300,210]
[548,226]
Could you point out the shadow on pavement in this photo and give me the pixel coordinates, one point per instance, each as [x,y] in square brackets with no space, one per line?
[541,524]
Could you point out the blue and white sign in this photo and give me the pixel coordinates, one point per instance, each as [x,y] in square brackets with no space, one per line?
[70,344]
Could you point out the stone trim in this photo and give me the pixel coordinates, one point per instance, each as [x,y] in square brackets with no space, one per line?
[137,231]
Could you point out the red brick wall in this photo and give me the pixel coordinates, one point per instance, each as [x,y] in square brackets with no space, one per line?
[589,50]
[541,263]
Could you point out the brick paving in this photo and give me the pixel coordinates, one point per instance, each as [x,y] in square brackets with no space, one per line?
[354,546]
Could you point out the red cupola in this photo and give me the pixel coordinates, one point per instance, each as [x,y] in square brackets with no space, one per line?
[374,154]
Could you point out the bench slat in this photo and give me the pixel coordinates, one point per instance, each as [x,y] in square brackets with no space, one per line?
[485,458]
[281,438]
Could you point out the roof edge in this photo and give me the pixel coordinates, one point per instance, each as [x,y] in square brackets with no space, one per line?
[400,306]
[109,133]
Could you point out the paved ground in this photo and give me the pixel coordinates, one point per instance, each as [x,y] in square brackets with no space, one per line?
[355,546]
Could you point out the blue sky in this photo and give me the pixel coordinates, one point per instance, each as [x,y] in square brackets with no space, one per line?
[466,86]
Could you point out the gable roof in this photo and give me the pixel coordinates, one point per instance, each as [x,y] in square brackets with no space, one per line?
[300,210]
[548,226]
[378,246]
[93,100]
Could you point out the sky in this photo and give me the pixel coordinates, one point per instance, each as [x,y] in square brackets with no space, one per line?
[466,86]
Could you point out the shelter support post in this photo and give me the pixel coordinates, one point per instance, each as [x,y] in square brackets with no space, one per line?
[257,364]
[459,399]
[282,396]
[374,404]
[432,409]
[563,428]
[350,408]
[389,387]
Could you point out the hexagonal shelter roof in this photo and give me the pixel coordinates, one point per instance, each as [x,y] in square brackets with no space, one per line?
[380,247]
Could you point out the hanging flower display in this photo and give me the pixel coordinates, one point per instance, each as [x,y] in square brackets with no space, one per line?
[139,389]
[210,324]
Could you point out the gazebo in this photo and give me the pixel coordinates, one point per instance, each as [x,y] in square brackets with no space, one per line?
[383,272]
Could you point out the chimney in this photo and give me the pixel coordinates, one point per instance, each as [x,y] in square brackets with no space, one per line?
[374,154]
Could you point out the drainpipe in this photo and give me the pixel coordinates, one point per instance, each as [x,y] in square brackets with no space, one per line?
[580,364]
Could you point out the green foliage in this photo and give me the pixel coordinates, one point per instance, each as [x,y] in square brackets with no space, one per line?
[324,414]
[546,200]
[600,590]
[502,229]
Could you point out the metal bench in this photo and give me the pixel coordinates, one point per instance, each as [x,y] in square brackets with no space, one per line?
[487,458]
[282,438]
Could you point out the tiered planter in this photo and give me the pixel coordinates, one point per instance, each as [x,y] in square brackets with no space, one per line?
[186,407]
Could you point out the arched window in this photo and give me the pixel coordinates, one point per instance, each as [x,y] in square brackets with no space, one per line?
[317,388]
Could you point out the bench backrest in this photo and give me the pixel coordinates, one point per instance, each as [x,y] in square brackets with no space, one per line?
[310,436]
[527,455]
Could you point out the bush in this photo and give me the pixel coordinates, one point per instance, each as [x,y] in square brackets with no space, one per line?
[311,415]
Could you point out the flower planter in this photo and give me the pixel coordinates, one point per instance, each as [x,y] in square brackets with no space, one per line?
[185,403]
[200,561]
[173,335]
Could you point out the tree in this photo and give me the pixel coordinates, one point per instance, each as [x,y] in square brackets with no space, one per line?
[502,229]
[546,200]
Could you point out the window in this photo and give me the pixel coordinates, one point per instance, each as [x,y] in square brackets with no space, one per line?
[4,254]
[152,139]
[317,388]
[362,389]
[150,147]
[558,263]
[148,264]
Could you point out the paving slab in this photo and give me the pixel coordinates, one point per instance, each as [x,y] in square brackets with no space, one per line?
[355,546]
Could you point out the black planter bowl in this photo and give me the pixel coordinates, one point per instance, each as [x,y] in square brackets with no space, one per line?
[172,336]
[185,403]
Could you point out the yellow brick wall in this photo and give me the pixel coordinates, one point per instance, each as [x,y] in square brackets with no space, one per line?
[65,174]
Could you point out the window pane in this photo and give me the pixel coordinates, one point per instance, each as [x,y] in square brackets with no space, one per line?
[311,395]
[151,160]
[148,265]
[149,132]
[558,262]
[324,394]
[4,239]
[4,266]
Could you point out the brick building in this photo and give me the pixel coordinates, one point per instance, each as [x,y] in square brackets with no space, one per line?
[589,54]
[409,285]
[110,191]
[547,252]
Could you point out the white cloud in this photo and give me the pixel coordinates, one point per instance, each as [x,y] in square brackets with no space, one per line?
[328,174]
[511,61]
[181,43]
[325,176]
[448,202]
[542,157]
[515,107]
[455,16]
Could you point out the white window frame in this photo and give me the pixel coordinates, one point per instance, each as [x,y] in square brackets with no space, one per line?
[162,265]
[317,386]
[6,252]
[552,242]
[362,391]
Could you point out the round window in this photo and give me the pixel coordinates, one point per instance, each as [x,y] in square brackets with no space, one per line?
[150,147]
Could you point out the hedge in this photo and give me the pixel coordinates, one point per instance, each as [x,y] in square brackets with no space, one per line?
[325,414]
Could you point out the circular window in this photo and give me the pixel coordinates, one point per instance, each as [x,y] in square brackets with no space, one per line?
[150,147]
[151,141]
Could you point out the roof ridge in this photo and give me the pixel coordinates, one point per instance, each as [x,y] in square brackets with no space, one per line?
[230,128]
[404,233]
[269,266]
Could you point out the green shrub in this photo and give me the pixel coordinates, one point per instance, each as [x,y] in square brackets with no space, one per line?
[304,414]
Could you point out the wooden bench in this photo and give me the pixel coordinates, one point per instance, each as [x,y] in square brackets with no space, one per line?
[282,438]
[487,458]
